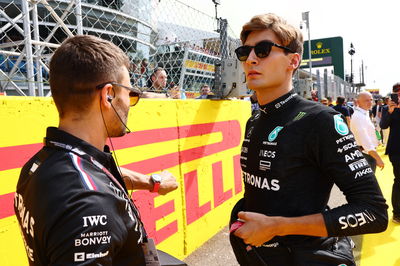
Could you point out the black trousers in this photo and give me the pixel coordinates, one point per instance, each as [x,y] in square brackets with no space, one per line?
[395,160]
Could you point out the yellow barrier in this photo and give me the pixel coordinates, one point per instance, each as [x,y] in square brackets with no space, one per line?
[197,140]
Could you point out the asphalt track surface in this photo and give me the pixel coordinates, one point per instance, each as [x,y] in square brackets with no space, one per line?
[371,250]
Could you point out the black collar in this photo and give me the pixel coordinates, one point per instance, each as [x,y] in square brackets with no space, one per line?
[279,104]
[54,134]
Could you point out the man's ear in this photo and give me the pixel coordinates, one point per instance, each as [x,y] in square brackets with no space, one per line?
[295,61]
[106,94]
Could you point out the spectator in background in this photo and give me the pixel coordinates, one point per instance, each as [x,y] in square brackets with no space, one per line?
[391,119]
[385,131]
[143,73]
[350,106]
[377,115]
[330,101]
[314,95]
[324,101]
[158,81]
[157,86]
[254,103]
[364,131]
[205,93]
[340,101]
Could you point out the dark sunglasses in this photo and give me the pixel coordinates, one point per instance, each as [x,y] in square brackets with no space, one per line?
[261,49]
[134,94]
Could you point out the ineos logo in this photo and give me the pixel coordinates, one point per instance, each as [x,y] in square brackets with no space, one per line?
[268,154]
[355,220]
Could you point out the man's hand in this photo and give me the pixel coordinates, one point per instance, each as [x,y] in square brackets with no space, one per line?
[380,163]
[257,228]
[378,159]
[168,183]
[175,92]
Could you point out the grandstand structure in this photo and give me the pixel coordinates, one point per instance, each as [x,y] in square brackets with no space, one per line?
[30,31]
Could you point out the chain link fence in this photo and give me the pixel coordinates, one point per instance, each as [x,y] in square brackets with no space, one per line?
[187,43]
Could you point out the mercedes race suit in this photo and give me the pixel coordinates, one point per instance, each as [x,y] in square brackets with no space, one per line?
[294,150]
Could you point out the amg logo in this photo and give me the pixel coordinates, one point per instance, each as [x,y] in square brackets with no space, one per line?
[353,155]
[358,164]
[94,220]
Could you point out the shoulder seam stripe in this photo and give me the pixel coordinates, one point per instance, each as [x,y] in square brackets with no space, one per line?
[87,180]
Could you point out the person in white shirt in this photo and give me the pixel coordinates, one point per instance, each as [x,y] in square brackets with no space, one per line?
[364,130]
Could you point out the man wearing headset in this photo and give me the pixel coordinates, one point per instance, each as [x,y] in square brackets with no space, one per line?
[71,200]
[293,152]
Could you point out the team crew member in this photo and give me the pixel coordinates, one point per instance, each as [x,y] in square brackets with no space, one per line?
[293,152]
[364,131]
[341,108]
[71,199]
[391,119]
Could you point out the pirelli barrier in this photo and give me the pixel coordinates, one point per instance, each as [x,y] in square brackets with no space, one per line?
[197,140]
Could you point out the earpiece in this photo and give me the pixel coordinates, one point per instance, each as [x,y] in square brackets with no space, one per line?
[109,98]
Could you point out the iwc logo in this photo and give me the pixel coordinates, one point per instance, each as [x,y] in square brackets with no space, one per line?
[274,133]
[340,125]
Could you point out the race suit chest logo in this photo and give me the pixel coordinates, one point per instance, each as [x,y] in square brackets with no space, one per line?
[340,125]
[261,182]
[274,133]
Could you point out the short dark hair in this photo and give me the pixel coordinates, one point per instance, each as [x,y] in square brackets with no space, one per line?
[396,87]
[150,80]
[340,100]
[80,64]
[156,70]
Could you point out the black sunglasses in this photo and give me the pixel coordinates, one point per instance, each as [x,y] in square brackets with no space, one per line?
[261,49]
[134,94]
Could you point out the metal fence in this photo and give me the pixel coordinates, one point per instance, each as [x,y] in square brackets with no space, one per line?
[187,43]
[193,47]
[322,85]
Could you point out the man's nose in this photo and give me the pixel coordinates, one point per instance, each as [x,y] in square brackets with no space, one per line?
[252,59]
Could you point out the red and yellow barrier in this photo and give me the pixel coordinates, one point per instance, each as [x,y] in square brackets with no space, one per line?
[197,140]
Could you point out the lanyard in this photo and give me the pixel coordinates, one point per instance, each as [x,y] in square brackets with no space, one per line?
[89,158]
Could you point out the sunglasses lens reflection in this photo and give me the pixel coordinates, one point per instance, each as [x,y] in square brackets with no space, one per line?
[134,98]
[261,50]
[243,52]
